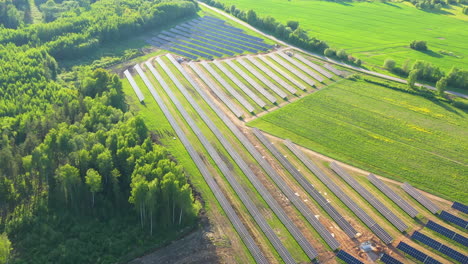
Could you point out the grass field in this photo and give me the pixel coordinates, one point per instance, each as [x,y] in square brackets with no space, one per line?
[374,31]
[401,136]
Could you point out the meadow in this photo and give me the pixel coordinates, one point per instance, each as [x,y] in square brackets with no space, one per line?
[388,132]
[374,31]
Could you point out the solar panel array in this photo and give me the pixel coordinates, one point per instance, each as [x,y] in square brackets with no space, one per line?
[333,69]
[290,194]
[228,87]
[453,219]
[207,38]
[387,259]
[389,215]
[272,75]
[460,207]
[416,253]
[285,75]
[223,201]
[310,189]
[420,198]
[292,69]
[134,85]
[410,210]
[258,185]
[252,82]
[301,66]
[447,233]
[346,257]
[220,94]
[314,66]
[242,194]
[439,247]
[263,79]
[240,84]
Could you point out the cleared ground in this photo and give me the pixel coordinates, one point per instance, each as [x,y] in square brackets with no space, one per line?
[401,136]
[375,31]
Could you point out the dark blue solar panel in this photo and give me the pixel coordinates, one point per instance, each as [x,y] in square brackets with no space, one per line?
[460,207]
[343,255]
[412,251]
[215,19]
[222,25]
[453,219]
[426,240]
[233,37]
[454,254]
[195,47]
[185,54]
[223,40]
[214,43]
[192,51]
[229,41]
[258,45]
[235,31]
[447,233]
[389,260]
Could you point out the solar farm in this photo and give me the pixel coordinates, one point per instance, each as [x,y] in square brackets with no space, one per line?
[285,203]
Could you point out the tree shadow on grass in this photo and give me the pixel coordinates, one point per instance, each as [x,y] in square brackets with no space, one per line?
[392,5]
[440,12]
[432,53]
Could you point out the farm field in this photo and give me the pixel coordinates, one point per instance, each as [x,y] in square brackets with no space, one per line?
[374,31]
[397,135]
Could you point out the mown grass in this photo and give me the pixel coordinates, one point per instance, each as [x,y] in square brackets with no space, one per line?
[401,136]
[374,31]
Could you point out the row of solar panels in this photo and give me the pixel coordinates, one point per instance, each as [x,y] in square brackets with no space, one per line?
[207,38]
[448,251]
[245,70]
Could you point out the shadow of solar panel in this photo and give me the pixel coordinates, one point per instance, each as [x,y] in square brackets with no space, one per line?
[182,53]
[389,260]
[460,207]
[343,255]
[453,219]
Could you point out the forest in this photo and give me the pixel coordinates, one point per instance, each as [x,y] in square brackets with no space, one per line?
[82,180]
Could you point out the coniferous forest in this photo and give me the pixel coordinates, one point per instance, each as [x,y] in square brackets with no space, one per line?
[82,180]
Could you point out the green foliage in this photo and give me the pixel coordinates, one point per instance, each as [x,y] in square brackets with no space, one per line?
[418,45]
[5,248]
[441,85]
[389,64]
[384,130]
[292,24]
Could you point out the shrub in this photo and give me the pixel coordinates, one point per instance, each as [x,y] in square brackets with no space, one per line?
[418,45]
[341,54]
[389,64]
[329,52]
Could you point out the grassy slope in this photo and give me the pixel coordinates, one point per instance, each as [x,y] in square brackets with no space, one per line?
[374,31]
[398,135]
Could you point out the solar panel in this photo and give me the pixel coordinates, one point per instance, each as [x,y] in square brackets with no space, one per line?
[192,51]
[333,69]
[198,48]
[134,85]
[252,82]
[237,34]
[393,196]
[346,257]
[292,69]
[183,53]
[234,108]
[460,207]
[416,253]
[420,198]
[387,259]
[305,183]
[447,233]
[389,215]
[263,79]
[453,219]
[314,66]
[285,75]
[228,87]
[217,44]
[301,66]
[223,25]
[440,247]
[272,75]
[240,84]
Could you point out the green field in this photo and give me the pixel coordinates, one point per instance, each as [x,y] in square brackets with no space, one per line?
[392,133]
[374,31]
